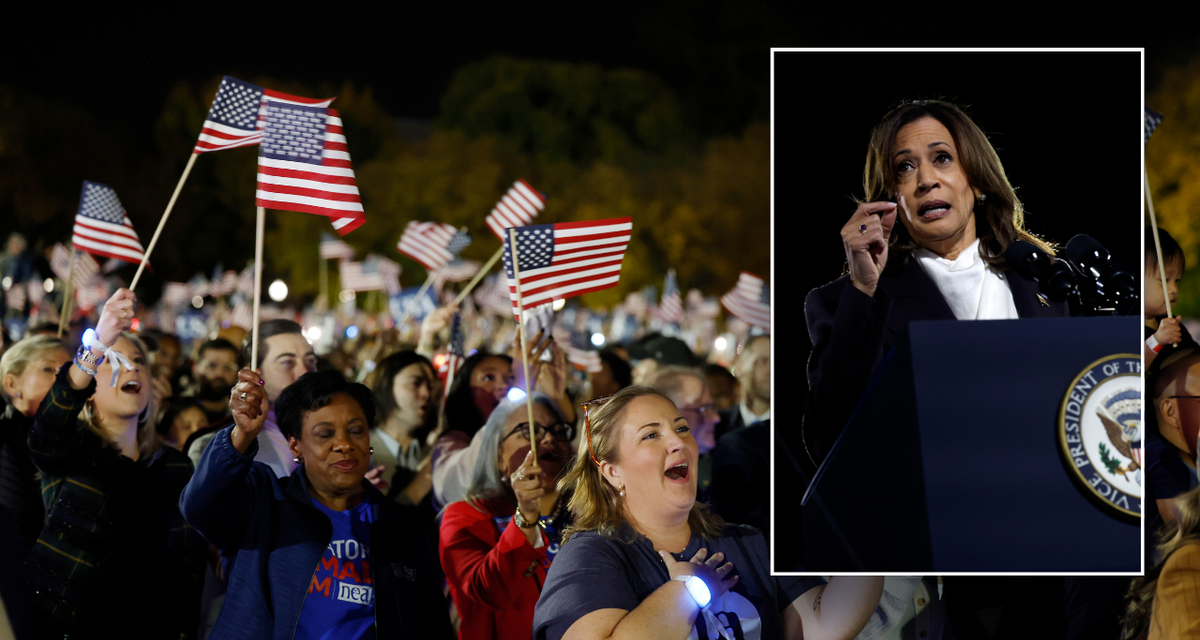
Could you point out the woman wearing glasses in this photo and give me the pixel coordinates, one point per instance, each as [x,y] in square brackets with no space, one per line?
[497,544]
[643,559]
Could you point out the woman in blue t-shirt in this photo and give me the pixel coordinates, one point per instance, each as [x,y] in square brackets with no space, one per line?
[643,559]
[319,554]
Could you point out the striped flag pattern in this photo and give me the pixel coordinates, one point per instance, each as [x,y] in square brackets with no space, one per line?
[566,259]
[455,271]
[176,294]
[85,265]
[389,272]
[670,307]
[241,315]
[750,300]
[235,118]
[335,249]
[433,244]
[101,226]
[517,208]
[1153,119]
[304,165]
[360,276]
[492,295]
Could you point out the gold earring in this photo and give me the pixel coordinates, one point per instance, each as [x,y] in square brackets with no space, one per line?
[622,491]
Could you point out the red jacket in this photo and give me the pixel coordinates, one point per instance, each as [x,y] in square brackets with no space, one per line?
[489,571]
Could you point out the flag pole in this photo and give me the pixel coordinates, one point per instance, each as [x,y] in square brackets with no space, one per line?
[1162,271]
[258,258]
[412,304]
[324,271]
[67,295]
[162,222]
[512,241]
[483,271]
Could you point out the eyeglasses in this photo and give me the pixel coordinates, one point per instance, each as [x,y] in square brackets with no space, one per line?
[587,422]
[561,431]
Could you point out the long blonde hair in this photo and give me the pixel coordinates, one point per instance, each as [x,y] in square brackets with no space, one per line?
[595,504]
[1184,530]
[147,437]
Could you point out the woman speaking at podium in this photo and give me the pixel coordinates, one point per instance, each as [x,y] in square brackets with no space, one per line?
[927,244]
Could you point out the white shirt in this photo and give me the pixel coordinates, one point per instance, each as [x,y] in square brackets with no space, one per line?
[748,417]
[972,289]
[273,449]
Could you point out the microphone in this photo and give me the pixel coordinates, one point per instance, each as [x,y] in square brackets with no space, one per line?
[1055,279]
[1107,281]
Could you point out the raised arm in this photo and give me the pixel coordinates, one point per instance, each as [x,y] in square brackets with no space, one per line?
[835,611]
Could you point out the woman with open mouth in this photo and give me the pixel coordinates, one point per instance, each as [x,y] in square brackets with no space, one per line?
[643,559]
[498,543]
[112,496]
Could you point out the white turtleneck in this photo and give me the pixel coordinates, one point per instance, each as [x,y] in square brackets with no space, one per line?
[973,289]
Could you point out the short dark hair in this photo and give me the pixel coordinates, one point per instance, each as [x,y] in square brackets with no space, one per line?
[315,390]
[622,373]
[267,329]
[171,410]
[385,379]
[1171,251]
[220,343]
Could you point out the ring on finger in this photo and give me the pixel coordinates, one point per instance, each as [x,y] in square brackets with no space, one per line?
[862,229]
[520,476]
[243,396]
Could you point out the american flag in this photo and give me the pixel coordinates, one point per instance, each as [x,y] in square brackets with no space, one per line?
[303,165]
[566,259]
[454,271]
[457,352]
[85,265]
[101,226]
[750,300]
[15,296]
[433,244]
[701,307]
[235,119]
[176,294]
[581,353]
[492,295]
[246,281]
[1153,119]
[389,271]
[517,208]
[670,308]
[335,249]
[241,315]
[360,276]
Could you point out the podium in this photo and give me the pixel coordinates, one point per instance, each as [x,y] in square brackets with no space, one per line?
[951,461]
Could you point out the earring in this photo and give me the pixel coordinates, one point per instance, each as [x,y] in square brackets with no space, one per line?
[622,491]
[372,449]
[296,459]
[18,395]
[982,197]
[503,479]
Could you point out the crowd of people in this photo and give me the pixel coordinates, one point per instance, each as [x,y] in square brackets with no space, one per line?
[280,497]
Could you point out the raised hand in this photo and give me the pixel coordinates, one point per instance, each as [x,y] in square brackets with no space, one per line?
[865,239]
[249,405]
[116,316]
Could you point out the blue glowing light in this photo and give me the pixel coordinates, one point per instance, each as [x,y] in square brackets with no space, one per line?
[351,331]
[516,395]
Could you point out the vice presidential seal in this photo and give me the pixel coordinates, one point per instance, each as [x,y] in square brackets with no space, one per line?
[1100,432]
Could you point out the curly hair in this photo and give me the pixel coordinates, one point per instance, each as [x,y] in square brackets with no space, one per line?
[1173,537]
[594,502]
[1000,219]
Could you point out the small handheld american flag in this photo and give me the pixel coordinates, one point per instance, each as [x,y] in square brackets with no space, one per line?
[433,244]
[670,308]
[517,208]
[1153,119]
[750,300]
[101,226]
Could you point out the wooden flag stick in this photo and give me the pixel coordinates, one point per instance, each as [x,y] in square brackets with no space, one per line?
[512,241]
[1162,270]
[412,304]
[161,223]
[258,260]
[324,271]
[483,271]
[68,294]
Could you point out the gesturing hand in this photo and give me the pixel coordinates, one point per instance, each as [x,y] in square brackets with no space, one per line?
[248,403]
[710,570]
[529,485]
[1169,331]
[117,316]
[865,239]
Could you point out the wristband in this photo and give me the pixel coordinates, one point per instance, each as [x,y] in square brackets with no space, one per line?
[1153,344]
[697,589]
[88,357]
[84,368]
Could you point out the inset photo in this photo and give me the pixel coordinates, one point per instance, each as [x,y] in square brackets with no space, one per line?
[962,232]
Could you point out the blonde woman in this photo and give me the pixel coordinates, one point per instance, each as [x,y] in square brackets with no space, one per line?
[643,559]
[113,538]
[1165,603]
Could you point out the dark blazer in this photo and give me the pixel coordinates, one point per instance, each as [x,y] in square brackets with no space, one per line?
[851,332]
[272,539]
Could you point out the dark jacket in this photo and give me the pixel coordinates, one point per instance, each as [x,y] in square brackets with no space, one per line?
[272,539]
[115,549]
[20,490]
[851,332]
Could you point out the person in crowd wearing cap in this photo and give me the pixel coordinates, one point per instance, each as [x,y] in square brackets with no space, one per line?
[644,559]
[112,496]
[320,553]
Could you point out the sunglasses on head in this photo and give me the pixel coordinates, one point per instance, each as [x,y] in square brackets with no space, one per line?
[587,421]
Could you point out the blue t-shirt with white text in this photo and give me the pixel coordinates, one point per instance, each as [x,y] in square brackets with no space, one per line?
[341,597]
